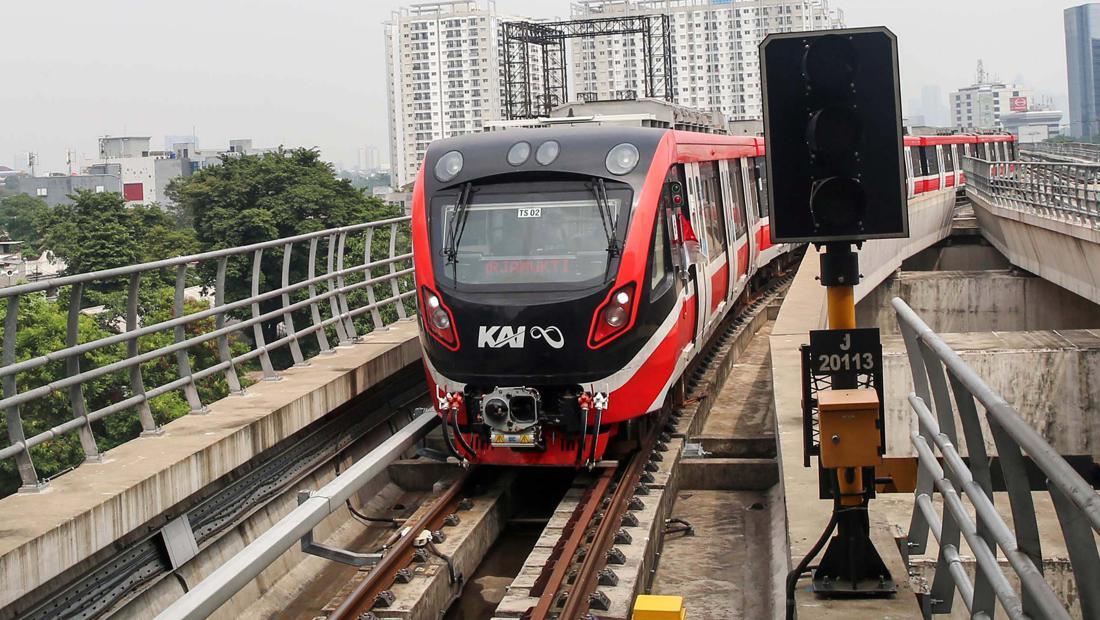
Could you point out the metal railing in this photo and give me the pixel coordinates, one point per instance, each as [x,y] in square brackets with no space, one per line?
[326,281]
[1078,150]
[938,374]
[1063,191]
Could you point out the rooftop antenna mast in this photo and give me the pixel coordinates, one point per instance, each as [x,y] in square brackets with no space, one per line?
[982,75]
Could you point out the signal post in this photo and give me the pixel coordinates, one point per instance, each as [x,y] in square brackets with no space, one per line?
[836,180]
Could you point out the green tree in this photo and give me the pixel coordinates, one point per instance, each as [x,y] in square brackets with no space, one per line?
[20,216]
[98,231]
[256,198]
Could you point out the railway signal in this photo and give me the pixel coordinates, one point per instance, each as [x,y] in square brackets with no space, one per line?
[832,118]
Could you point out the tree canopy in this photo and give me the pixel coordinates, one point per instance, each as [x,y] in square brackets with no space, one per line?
[98,231]
[20,217]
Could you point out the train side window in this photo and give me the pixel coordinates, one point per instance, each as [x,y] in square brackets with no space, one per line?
[760,170]
[931,163]
[713,211]
[948,158]
[740,226]
[660,258]
[918,164]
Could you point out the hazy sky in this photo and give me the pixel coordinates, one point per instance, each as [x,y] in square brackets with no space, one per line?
[312,72]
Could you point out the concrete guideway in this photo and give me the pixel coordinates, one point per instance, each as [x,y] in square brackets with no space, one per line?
[96,505]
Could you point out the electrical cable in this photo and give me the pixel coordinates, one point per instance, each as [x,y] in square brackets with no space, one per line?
[803,566]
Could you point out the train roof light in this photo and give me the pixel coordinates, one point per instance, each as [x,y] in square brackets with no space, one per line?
[519,153]
[448,166]
[622,159]
[548,152]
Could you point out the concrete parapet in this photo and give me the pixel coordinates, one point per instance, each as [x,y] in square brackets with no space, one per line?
[1063,251]
[85,511]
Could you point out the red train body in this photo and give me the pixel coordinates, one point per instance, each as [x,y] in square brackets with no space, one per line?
[567,276]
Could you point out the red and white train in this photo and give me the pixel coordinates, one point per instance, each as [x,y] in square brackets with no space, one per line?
[566,277]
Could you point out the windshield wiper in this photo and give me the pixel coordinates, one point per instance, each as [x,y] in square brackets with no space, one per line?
[457,224]
[599,190]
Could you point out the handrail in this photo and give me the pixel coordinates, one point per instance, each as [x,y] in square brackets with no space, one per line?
[238,571]
[1057,190]
[939,374]
[1079,150]
[344,288]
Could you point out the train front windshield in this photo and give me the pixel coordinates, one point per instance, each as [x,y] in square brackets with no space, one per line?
[559,235]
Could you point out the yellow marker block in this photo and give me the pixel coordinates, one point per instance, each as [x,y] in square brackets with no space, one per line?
[651,607]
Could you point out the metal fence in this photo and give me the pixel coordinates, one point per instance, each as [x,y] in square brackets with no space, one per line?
[327,289]
[938,374]
[1076,150]
[1069,192]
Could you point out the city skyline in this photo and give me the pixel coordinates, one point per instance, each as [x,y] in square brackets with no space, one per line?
[313,75]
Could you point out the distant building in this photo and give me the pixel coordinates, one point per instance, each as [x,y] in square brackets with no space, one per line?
[55,189]
[1082,66]
[442,74]
[715,64]
[146,173]
[1033,125]
[981,105]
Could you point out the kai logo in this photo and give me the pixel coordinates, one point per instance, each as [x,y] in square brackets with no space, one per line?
[500,336]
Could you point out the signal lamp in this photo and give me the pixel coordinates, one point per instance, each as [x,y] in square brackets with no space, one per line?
[622,158]
[548,152]
[519,153]
[448,166]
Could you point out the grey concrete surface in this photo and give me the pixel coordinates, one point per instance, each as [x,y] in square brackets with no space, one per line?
[965,301]
[90,508]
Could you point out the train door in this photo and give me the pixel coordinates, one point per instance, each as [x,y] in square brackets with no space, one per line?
[730,208]
[741,241]
[716,258]
[698,249]
[948,165]
[909,182]
[748,190]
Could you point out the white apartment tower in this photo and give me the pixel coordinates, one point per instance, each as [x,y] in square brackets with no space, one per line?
[443,75]
[714,48]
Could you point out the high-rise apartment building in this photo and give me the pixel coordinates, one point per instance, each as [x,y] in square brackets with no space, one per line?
[443,76]
[1082,66]
[715,62]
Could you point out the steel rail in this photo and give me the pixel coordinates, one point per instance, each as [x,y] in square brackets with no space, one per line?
[582,516]
[212,592]
[383,574]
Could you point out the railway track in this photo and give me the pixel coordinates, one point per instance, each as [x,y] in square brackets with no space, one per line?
[584,557]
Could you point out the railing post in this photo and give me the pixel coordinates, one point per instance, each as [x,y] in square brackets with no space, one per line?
[190,391]
[314,311]
[219,323]
[137,384]
[341,295]
[288,320]
[72,369]
[258,326]
[333,301]
[375,315]
[395,286]
[23,461]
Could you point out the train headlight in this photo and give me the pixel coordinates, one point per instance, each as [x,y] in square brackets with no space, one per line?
[622,159]
[519,153]
[448,166]
[613,317]
[440,319]
[437,319]
[548,152]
